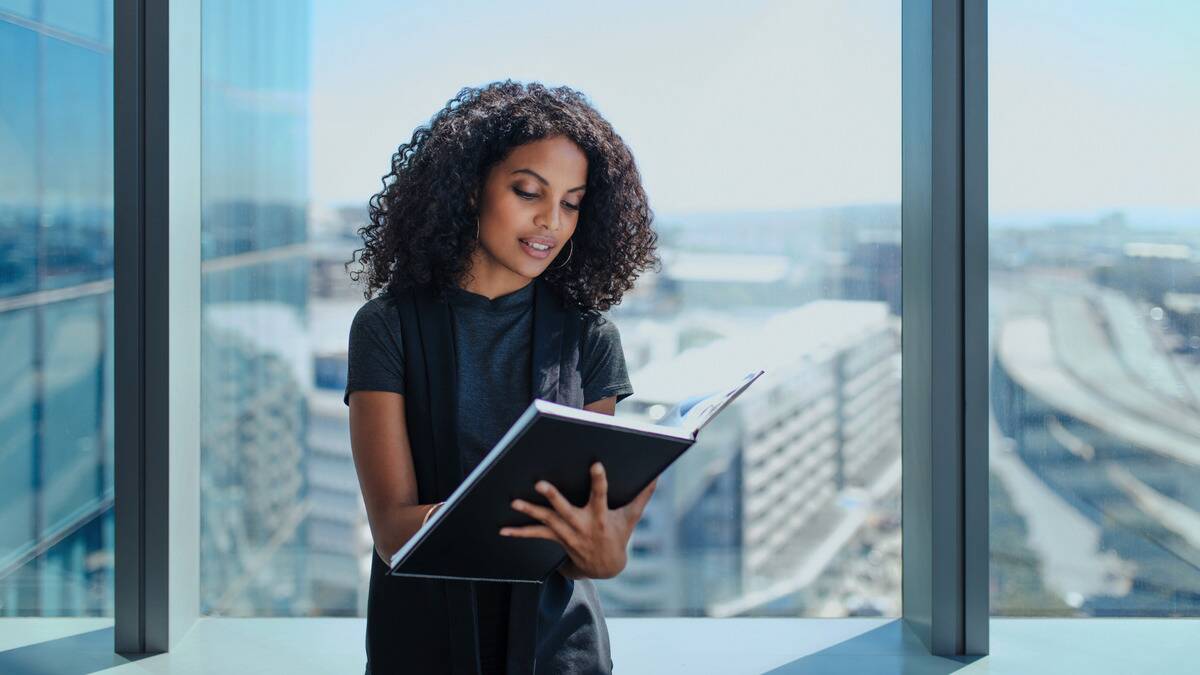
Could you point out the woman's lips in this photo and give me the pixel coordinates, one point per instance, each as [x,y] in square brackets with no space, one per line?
[540,255]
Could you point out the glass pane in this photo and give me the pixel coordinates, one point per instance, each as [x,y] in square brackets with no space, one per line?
[1094,288]
[85,18]
[77,165]
[19,173]
[772,161]
[56,408]
[72,434]
[17,434]
[23,8]
[257,374]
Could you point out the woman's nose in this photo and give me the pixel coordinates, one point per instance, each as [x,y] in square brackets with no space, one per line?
[552,220]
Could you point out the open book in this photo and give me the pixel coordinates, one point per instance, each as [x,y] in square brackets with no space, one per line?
[557,443]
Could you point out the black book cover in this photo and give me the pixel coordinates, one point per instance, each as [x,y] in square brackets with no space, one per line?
[556,443]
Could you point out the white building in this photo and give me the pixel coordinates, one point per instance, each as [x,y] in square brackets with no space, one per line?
[339,539]
[778,484]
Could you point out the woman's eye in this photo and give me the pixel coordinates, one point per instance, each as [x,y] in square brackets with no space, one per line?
[529,195]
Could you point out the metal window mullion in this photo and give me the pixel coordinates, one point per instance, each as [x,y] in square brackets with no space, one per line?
[129,219]
[976,562]
[156,296]
[944,205]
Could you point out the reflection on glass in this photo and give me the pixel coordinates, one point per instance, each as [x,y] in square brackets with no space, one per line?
[1095,311]
[17,436]
[257,361]
[71,436]
[56,407]
[77,161]
[22,8]
[19,174]
[90,19]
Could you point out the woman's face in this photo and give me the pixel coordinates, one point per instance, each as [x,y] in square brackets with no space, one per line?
[531,198]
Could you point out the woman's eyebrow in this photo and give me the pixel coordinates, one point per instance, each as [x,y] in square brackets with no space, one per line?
[543,180]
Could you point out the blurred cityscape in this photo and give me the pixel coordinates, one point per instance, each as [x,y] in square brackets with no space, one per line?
[790,504]
[1095,390]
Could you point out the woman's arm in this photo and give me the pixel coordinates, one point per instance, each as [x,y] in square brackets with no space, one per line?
[608,406]
[383,460]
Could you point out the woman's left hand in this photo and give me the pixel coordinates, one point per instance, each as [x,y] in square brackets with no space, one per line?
[594,536]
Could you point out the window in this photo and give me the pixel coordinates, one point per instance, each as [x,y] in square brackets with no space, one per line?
[772,163]
[1095,373]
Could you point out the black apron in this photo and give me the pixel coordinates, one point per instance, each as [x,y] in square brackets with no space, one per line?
[417,625]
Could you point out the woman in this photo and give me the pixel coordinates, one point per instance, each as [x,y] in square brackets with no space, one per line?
[506,225]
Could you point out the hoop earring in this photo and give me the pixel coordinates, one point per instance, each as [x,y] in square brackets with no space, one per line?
[564,263]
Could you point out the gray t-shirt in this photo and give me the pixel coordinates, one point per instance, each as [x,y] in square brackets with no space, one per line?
[376,352]
[492,347]
[492,341]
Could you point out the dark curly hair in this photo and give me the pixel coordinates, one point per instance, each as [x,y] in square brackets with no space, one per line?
[423,222]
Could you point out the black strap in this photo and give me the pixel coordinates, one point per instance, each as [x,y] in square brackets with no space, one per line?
[432,372]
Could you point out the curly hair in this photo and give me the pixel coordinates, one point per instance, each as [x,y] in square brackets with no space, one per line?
[423,222]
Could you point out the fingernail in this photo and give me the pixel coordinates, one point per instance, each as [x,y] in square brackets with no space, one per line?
[542,486]
[516,503]
[504,531]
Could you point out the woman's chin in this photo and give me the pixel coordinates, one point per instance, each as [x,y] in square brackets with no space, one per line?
[530,269]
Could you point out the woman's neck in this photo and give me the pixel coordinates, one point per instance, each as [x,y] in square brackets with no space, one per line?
[492,281]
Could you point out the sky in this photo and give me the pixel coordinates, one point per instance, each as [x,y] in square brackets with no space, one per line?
[777,105]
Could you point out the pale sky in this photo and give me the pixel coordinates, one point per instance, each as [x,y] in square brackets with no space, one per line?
[778,105]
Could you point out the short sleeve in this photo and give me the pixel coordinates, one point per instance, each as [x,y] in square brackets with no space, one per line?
[375,357]
[602,362]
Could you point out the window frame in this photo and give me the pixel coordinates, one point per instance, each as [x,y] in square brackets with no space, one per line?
[156,186]
[944,234]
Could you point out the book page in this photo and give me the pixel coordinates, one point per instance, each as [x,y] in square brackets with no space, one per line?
[695,411]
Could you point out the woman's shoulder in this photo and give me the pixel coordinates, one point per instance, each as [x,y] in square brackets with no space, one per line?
[378,315]
[597,324]
[388,299]
[599,339]
[374,308]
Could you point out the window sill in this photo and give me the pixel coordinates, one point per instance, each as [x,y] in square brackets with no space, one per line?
[694,645]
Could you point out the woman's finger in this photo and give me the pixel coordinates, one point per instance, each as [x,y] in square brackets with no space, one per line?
[531,532]
[644,495]
[599,499]
[638,504]
[564,507]
[550,518]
